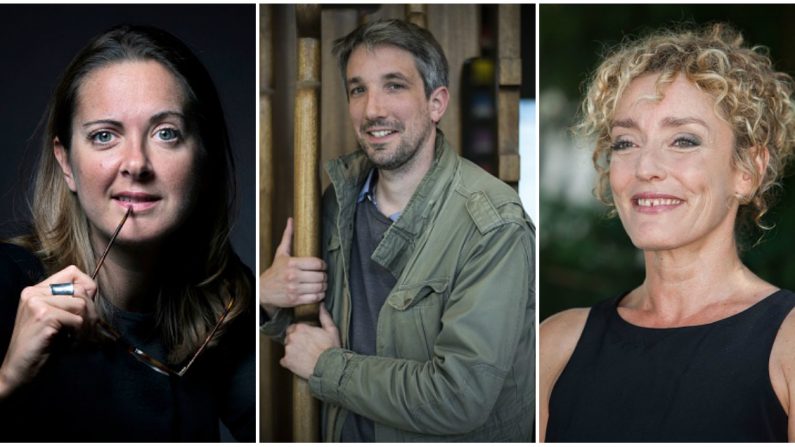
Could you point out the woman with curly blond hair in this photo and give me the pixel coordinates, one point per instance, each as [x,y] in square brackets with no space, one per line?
[692,130]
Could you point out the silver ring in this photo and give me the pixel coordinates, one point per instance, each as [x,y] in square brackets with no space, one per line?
[66,288]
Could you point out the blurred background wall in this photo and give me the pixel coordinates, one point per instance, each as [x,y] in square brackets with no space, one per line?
[585,256]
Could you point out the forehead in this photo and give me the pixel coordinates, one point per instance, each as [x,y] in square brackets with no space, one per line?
[127,85]
[380,59]
[678,97]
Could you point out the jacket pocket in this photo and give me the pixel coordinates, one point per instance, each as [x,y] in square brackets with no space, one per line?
[414,315]
[404,297]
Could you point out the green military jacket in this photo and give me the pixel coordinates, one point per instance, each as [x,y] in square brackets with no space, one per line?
[455,338]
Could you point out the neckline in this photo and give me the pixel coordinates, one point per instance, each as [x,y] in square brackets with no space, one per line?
[721,322]
[130,315]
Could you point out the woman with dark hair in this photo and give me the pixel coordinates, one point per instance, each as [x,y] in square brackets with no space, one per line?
[126,313]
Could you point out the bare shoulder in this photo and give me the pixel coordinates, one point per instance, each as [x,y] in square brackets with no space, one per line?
[558,336]
[782,365]
[562,330]
[783,352]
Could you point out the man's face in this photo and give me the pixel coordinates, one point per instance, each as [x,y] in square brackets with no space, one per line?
[392,118]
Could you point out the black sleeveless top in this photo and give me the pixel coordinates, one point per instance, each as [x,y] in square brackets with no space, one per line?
[706,383]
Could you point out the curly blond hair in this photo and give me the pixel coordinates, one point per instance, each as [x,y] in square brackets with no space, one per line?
[749,94]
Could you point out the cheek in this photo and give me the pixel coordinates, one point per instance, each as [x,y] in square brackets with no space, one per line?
[94,171]
[618,176]
[182,175]
[355,111]
[418,110]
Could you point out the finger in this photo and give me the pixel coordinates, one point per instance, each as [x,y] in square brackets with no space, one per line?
[285,246]
[74,275]
[308,298]
[308,288]
[79,291]
[59,318]
[75,306]
[326,322]
[307,264]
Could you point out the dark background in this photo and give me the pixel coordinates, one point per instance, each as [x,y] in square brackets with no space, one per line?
[38,42]
[585,256]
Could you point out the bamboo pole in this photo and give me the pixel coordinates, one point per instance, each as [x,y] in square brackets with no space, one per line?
[509,72]
[306,199]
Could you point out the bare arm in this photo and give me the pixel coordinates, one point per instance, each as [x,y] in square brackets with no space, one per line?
[782,370]
[558,338]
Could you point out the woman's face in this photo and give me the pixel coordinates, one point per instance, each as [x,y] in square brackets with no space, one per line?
[671,170]
[131,147]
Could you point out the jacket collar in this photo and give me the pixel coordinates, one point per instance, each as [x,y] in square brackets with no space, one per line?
[349,173]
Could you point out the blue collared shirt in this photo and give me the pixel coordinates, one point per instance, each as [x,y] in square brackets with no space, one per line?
[368,192]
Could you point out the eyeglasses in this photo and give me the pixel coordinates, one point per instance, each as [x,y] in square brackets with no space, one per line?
[110,332]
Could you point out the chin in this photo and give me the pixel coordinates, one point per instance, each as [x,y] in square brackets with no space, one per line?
[647,243]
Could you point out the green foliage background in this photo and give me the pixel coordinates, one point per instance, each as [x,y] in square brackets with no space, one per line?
[585,256]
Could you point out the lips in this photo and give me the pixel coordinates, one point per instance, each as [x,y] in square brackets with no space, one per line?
[652,203]
[139,201]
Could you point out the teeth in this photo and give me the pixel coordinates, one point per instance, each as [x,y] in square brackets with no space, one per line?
[380,133]
[658,202]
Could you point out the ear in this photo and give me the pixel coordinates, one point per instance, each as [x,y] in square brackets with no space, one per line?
[438,103]
[748,182]
[63,161]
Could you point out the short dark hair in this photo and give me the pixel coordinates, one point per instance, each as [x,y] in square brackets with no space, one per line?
[428,54]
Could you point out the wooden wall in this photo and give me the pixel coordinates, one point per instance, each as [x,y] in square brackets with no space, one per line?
[456,27]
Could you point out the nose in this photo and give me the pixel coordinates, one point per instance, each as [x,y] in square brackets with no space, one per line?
[136,163]
[374,106]
[649,164]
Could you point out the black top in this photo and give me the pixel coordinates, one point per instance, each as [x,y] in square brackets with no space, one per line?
[370,285]
[101,393]
[706,383]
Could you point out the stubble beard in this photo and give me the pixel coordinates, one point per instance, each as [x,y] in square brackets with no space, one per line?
[404,154]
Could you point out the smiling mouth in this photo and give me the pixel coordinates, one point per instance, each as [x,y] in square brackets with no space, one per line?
[656,202]
[381,133]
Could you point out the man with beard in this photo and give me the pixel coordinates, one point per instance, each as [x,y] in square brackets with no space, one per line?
[427,321]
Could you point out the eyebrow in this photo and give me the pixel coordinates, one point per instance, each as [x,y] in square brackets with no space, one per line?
[628,123]
[111,122]
[670,121]
[166,114]
[153,119]
[677,122]
[395,75]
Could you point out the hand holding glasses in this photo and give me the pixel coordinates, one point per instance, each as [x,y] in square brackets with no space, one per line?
[110,332]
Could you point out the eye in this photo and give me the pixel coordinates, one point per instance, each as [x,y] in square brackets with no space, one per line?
[395,86]
[621,145]
[168,134]
[356,90]
[685,142]
[102,137]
